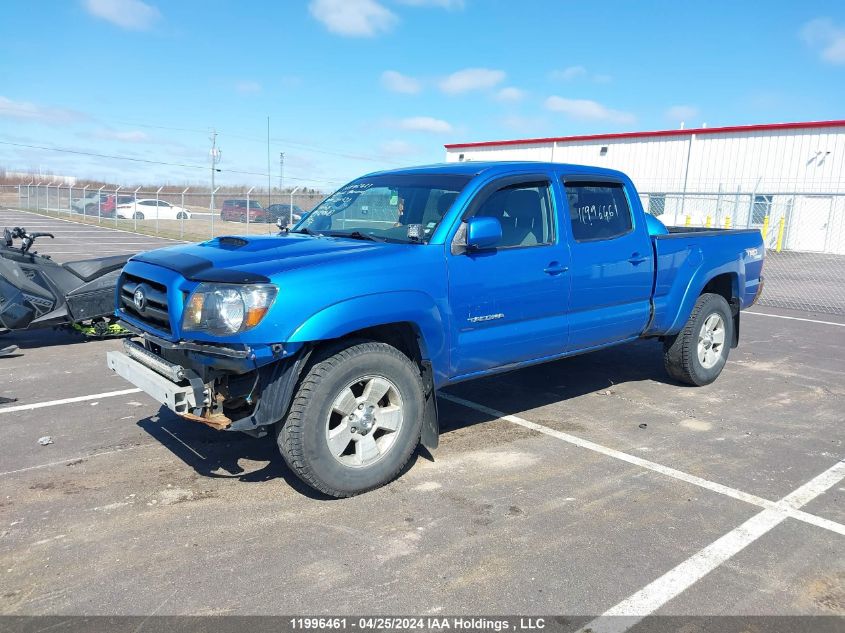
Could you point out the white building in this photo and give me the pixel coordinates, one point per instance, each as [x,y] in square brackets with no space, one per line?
[792,173]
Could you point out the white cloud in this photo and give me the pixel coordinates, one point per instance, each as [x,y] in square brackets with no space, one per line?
[133,15]
[397,82]
[26,111]
[248,87]
[129,136]
[826,37]
[353,18]
[510,94]
[586,109]
[440,4]
[425,124]
[569,73]
[470,79]
[682,113]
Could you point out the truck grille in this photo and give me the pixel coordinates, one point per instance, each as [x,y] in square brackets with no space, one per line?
[145,300]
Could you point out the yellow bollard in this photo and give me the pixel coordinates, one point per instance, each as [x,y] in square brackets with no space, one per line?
[781,225]
[709,222]
[765,230]
[728,222]
[689,221]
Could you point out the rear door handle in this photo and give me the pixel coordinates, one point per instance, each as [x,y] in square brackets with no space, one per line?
[554,268]
[636,258]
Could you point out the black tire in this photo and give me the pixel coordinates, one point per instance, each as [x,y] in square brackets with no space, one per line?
[242,217]
[138,215]
[680,352]
[181,216]
[302,436]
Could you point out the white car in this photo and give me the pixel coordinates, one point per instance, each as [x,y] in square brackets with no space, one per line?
[149,209]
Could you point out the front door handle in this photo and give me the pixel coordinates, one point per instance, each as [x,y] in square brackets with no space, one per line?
[636,258]
[554,268]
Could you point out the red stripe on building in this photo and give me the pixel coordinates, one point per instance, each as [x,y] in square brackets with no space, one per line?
[807,125]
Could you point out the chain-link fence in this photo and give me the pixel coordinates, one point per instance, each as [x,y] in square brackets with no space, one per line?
[186,213]
[804,232]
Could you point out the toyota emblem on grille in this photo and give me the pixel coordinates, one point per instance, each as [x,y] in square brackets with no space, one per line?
[139,298]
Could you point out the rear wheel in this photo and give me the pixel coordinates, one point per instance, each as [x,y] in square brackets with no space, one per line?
[181,216]
[697,354]
[242,217]
[138,215]
[355,420]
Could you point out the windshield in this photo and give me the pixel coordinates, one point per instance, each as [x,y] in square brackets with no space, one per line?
[390,207]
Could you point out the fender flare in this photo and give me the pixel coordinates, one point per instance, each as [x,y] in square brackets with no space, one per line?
[696,285]
[351,315]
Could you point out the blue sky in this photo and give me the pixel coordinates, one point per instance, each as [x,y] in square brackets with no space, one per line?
[351,86]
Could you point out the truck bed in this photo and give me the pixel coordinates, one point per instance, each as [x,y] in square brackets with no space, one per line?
[688,256]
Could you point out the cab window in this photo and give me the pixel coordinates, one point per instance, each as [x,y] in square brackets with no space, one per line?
[598,210]
[525,213]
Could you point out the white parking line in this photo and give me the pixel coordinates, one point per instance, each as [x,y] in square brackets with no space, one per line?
[655,467]
[674,582]
[790,318]
[53,403]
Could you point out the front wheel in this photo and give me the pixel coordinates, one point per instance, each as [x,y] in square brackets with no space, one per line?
[355,420]
[697,354]
[138,215]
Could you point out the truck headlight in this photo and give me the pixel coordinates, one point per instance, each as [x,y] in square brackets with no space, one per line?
[227,308]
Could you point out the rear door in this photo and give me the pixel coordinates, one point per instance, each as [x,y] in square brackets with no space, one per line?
[509,303]
[612,267]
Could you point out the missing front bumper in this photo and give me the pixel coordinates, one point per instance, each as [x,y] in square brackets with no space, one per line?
[181,399]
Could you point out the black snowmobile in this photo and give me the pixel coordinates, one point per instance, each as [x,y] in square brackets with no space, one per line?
[37,292]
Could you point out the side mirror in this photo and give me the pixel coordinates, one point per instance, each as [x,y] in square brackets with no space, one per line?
[483,233]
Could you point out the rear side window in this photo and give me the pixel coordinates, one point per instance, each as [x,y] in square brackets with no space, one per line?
[598,210]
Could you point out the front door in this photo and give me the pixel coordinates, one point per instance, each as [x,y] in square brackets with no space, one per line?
[509,303]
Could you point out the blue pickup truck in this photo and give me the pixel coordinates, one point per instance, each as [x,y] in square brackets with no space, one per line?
[336,334]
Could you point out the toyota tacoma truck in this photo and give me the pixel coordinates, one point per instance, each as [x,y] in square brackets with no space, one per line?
[334,336]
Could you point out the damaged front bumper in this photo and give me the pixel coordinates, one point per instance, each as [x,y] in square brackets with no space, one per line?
[231,397]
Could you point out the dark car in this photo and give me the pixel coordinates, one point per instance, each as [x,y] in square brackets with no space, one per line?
[290,214]
[236,210]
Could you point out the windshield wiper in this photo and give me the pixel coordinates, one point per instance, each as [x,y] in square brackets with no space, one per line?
[357,235]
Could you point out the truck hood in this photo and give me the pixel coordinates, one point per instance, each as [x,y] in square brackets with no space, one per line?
[248,259]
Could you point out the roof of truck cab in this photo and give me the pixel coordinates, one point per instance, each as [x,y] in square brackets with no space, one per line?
[475,168]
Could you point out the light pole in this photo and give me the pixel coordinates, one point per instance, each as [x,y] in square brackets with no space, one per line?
[281,170]
[214,158]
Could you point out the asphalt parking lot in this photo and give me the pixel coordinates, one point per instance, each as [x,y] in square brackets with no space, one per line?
[589,486]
